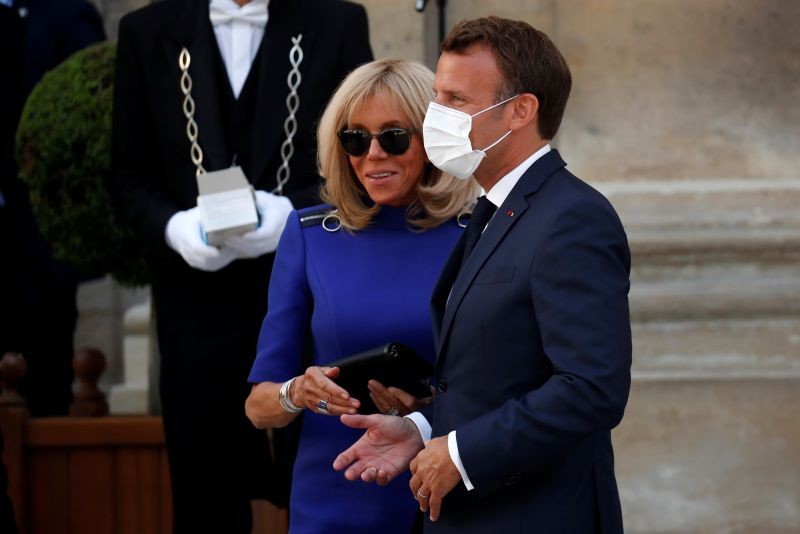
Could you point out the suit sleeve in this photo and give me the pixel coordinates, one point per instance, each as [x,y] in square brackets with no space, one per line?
[579,283]
[134,182]
[281,340]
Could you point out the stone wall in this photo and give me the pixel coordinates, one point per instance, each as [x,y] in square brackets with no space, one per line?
[662,89]
[710,441]
[682,89]
[102,304]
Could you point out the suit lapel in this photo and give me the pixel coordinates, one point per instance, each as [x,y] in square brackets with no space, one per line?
[285,22]
[498,227]
[193,30]
[507,215]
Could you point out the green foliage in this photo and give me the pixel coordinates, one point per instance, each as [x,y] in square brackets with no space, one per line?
[64,156]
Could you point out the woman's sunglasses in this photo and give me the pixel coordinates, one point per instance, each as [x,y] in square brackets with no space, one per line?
[394,141]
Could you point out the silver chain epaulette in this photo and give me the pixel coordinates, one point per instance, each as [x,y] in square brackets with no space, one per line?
[292,105]
[196,153]
[289,126]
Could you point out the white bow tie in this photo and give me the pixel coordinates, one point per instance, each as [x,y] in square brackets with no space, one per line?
[254,13]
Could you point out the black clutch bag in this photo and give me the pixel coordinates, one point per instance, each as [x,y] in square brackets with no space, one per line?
[393,364]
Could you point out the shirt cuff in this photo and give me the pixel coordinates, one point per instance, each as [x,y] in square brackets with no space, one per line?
[452,448]
[422,425]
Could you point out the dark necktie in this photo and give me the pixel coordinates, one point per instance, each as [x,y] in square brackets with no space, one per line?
[483,211]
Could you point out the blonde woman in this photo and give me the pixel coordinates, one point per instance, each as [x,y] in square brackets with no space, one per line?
[356,273]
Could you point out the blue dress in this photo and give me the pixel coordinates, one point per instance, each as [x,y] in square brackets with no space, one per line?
[355,291]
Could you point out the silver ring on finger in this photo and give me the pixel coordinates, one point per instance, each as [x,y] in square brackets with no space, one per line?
[422,495]
[393,411]
[322,407]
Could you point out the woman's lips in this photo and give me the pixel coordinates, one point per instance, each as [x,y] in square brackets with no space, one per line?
[380,175]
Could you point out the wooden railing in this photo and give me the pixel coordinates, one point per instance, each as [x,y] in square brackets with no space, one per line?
[84,473]
[91,473]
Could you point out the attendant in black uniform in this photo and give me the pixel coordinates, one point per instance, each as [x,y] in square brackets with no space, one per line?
[256,102]
[38,312]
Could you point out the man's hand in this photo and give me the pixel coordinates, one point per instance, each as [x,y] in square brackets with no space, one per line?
[434,476]
[185,236]
[274,211]
[383,452]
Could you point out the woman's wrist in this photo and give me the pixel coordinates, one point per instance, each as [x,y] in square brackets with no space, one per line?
[285,398]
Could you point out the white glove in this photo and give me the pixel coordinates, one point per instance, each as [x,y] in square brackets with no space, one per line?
[184,236]
[274,210]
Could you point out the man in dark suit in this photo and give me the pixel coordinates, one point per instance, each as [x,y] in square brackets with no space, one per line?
[254,77]
[530,313]
[39,312]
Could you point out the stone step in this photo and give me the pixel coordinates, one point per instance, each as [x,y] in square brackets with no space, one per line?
[681,246]
[721,349]
[706,204]
[709,219]
[736,294]
[708,250]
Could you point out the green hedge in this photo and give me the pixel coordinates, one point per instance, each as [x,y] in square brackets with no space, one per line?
[64,155]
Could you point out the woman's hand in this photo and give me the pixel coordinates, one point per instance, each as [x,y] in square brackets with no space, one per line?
[315,390]
[395,401]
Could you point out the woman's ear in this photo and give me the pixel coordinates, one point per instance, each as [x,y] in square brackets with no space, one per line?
[525,108]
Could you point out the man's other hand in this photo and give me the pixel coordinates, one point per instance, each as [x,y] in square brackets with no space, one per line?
[383,452]
[434,475]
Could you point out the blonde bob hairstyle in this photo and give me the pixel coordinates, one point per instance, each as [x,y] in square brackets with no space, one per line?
[409,87]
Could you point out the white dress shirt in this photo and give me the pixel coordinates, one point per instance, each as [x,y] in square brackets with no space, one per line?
[496,195]
[239,30]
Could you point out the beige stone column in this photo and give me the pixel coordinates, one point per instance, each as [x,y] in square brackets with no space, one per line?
[112,11]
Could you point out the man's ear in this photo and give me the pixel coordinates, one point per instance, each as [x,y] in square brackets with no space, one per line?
[525,109]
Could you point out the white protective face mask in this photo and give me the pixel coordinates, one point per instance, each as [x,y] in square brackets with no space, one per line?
[446,133]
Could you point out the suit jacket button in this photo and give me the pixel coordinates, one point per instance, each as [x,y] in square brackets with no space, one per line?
[442,385]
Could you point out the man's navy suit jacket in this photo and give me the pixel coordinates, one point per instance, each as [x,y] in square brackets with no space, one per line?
[534,344]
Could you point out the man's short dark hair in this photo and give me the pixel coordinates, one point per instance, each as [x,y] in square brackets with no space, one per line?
[527,59]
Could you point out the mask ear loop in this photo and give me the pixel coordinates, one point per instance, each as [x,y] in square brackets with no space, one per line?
[493,144]
[494,106]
